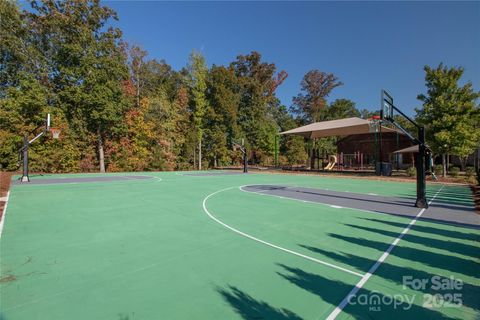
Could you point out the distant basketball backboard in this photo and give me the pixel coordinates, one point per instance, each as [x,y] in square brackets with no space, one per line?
[386,112]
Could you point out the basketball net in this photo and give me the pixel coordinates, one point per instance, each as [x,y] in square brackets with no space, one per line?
[55,133]
[374,124]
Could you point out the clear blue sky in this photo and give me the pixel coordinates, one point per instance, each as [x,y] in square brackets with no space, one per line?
[368,45]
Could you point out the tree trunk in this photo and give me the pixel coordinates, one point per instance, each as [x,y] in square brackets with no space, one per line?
[138,84]
[448,162]
[463,162]
[101,154]
[194,158]
[138,97]
[444,165]
[215,160]
[200,155]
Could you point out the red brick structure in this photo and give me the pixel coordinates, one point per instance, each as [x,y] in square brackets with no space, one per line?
[364,148]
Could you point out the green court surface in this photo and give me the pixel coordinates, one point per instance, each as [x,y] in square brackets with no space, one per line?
[179,246]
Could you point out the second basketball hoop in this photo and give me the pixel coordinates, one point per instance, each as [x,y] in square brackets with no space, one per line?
[55,133]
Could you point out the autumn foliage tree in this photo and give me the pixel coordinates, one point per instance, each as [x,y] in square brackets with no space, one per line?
[121,110]
[311,105]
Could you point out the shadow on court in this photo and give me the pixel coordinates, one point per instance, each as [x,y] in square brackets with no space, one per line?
[323,287]
[249,308]
[463,249]
[460,196]
[395,273]
[456,214]
[432,230]
[448,263]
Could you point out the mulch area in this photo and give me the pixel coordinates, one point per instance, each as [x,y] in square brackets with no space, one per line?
[5,178]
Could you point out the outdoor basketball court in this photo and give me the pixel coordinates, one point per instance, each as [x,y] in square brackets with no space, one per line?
[224,245]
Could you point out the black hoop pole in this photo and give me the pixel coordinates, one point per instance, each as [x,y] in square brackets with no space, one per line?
[245,164]
[26,143]
[25,177]
[421,181]
[421,201]
[243,149]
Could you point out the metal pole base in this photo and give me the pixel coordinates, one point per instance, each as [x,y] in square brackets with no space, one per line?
[25,179]
[245,161]
[421,203]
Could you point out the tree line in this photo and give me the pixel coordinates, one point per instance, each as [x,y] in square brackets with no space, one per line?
[119,110]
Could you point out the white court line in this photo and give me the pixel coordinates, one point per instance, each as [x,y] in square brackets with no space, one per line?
[268,243]
[123,178]
[2,222]
[384,256]
[304,201]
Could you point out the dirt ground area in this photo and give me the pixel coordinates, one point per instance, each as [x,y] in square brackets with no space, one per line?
[5,178]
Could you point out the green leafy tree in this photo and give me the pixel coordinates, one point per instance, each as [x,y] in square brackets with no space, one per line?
[86,65]
[23,94]
[13,45]
[406,125]
[198,86]
[342,108]
[366,114]
[257,82]
[291,146]
[136,63]
[295,150]
[21,111]
[450,112]
[222,114]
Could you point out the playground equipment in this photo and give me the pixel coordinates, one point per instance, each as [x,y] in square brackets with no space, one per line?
[332,160]
[352,160]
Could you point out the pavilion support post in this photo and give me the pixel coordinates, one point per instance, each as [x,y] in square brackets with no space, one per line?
[312,155]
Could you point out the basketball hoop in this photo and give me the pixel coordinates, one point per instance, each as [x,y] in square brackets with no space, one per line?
[55,133]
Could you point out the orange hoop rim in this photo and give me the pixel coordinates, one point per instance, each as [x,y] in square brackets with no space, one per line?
[55,132]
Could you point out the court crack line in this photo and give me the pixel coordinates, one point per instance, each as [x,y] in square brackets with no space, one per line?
[375,266]
[246,235]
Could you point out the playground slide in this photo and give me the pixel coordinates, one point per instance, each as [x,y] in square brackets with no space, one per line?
[331,163]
